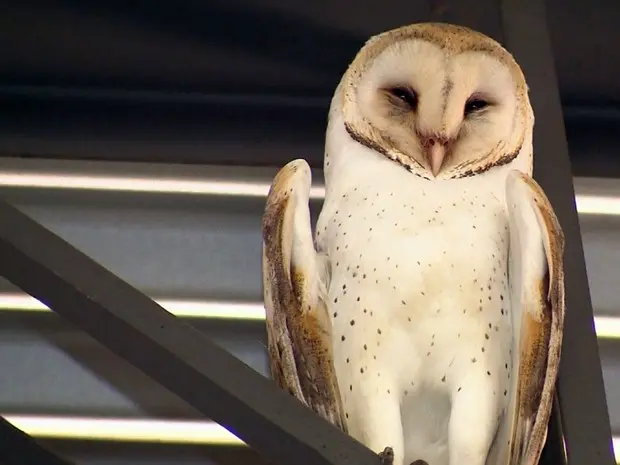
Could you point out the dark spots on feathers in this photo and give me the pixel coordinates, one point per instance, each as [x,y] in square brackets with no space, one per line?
[389,274]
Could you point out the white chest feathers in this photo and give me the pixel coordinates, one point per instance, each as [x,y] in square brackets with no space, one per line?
[420,306]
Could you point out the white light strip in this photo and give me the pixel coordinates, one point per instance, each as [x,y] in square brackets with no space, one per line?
[607,327]
[181,308]
[138,430]
[142,185]
[586,204]
[124,430]
[597,204]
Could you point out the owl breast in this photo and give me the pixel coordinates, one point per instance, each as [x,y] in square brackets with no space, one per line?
[418,297]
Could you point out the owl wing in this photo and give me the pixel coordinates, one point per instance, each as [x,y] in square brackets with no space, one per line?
[295,280]
[537,294]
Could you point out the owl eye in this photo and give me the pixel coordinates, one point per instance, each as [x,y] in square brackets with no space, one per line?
[406,95]
[475,104]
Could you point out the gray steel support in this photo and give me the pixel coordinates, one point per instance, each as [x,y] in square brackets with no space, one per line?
[582,408]
[17,448]
[171,352]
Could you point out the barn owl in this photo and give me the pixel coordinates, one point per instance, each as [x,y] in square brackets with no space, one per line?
[425,315]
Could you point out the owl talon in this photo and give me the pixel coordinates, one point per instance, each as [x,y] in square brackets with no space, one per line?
[387,456]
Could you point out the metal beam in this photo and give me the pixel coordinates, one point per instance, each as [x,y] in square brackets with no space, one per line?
[17,448]
[168,350]
[236,129]
[263,129]
[581,394]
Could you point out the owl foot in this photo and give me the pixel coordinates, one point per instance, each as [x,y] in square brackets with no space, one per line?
[387,456]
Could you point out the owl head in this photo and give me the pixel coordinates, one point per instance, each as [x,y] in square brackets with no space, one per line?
[442,100]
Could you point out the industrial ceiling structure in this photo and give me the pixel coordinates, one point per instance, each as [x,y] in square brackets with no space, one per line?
[248,82]
[108,107]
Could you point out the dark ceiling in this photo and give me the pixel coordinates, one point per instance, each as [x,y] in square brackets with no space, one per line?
[195,69]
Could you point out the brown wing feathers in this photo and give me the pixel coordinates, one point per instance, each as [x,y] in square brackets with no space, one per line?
[541,327]
[299,336]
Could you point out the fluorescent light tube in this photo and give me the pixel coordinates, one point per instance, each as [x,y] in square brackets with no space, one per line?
[137,430]
[588,204]
[149,185]
[597,204]
[229,310]
[124,430]
[607,327]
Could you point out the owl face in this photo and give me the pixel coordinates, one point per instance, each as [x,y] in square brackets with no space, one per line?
[443,105]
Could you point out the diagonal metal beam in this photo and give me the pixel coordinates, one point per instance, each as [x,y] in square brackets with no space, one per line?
[17,448]
[168,350]
[582,405]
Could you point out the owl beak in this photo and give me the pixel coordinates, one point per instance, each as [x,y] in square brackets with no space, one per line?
[436,156]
